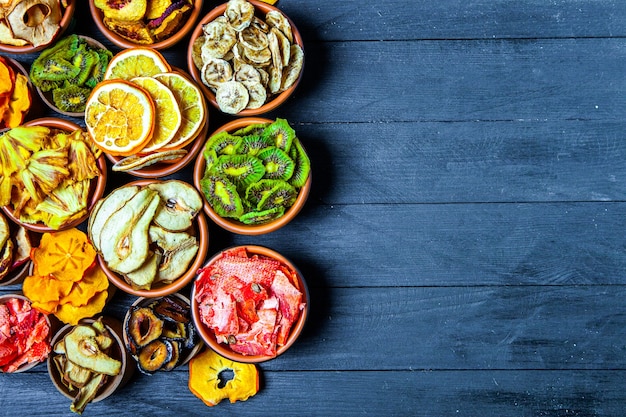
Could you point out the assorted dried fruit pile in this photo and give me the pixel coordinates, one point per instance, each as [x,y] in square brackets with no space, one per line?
[14,248]
[86,358]
[254,175]
[144,110]
[24,335]
[66,279]
[30,22]
[15,98]
[145,233]
[69,70]
[145,21]
[250,302]
[160,334]
[246,60]
[46,174]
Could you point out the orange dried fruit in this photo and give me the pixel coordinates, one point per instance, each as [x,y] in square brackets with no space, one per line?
[19,103]
[70,314]
[120,117]
[205,378]
[45,291]
[93,282]
[65,254]
[136,62]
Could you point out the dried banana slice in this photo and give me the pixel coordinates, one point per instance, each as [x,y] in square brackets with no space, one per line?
[239,14]
[260,24]
[232,97]
[246,73]
[265,76]
[278,20]
[257,93]
[283,45]
[275,50]
[293,70]
[196,52]
[137,162]
[260,58]
[276,79]
[219,38]
[253,38]
[215,72]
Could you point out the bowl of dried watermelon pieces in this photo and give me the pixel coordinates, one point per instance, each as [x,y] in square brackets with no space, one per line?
[149,118]
[151,236]
[65,73]
[30,25]
[64,176]
[25,334]
[249,303]
[247,56]
[159,24]
[254,175]
[88,361]
[15,93]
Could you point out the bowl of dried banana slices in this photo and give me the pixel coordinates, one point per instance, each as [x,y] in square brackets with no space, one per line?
[155,24]
[28,26]
[247,56]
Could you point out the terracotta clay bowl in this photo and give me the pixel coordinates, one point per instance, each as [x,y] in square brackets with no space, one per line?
[208,335]
[66,20]
[97,186]
[118,352]
[186,353]
[233,225]
[47,96]
[261,10]
[168,42]
[200,228]
[5,298]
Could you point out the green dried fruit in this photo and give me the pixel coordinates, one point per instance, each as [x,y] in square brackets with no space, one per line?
[282,195]
[52,69]
[280,133]
[253,144]
[260,217]
[71,98]
[224,143]
[257,191]
[302,167]
[278,165]
[222,195]
[241,170]
[253,129]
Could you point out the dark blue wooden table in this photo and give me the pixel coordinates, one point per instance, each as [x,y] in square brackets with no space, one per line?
[464,241]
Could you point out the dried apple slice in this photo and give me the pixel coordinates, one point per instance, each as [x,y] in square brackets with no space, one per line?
[180,203]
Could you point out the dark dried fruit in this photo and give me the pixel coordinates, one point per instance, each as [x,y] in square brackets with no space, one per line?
[143,327]
[154,356]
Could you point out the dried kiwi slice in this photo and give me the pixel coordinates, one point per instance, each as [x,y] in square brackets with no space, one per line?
[241,170]
[84,60]
[71,98]
[222,195]
[224,143]
[210,156]
[257,191]
[260,217]
[302,167]
[253,129]
[282,195]
[99,68]
[278,165]
[280,133]
[253,144]
[52,69]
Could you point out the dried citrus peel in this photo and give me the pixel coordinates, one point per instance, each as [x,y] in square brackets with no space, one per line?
[206,373]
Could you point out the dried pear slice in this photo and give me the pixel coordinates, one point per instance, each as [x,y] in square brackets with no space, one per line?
[239,13]
[278,20]
[180,203]
[232,97]
[177,251]
[215,72]
[106,207]
[143,277]
[135,162]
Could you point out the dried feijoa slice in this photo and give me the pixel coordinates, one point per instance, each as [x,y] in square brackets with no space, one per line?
[223,143]
[302,164]
[257,191]
[282,195]
[278,165]
[260,217]
[280,133]
[253,144]
[222,195]
[71,98]
[241,170]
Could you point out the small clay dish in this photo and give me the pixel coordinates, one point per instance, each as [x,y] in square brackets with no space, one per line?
[200,228]
[66,20]
[16,66]
[261,9]
[117,351]
[177,36]
[97,186]
[4,299]
[296,329]
[47,96]
[231,224]
[188,343]
[169,167]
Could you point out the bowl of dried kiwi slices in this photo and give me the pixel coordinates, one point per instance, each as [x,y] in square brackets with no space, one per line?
[254,174]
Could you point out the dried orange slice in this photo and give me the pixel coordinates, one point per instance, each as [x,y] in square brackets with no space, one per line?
[192,107]
[136,62]
[167,118]
[120,117]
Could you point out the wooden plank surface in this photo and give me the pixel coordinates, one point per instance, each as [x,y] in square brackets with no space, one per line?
[464,239]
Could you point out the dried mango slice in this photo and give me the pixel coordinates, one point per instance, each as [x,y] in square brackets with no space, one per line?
[70,314]
[206,371]
[65,254]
